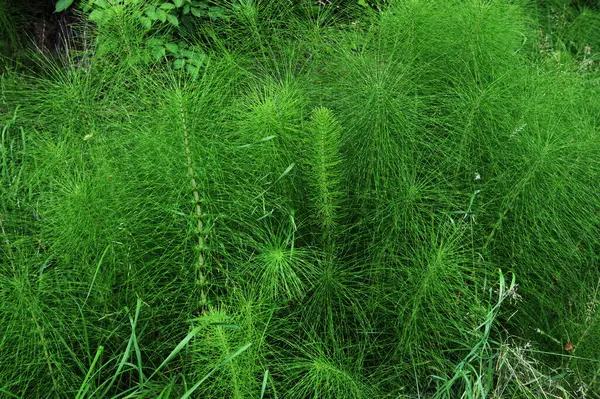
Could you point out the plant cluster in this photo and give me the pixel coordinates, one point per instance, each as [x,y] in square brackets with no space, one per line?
[390,202]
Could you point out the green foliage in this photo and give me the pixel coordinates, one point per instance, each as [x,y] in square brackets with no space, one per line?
[570,27]
[299,206]
[7,29]
[150,31]
[62,5]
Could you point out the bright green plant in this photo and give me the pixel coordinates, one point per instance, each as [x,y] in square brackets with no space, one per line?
[162,27]
[305,208]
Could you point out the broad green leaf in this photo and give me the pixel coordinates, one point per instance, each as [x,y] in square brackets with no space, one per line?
[172,20]
[172,47]
[179,63]
[158,52]
[62,5]
[151,13]
[162,15]
[188,54]
[178,3]
[196,61]
[167,6]
[363,3]
[186,9]
[198,12]
[102,4]
[216,13]
[154,41]
[146,22]
[192,70]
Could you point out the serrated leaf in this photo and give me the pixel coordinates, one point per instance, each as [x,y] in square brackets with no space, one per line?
[172,20]
[62,5]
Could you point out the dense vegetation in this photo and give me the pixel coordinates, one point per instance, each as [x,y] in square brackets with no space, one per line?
[286,199]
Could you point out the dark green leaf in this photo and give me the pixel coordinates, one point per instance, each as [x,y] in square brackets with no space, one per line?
[197,12]
[62,5]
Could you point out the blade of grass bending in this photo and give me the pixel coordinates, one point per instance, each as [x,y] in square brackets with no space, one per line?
[138,354]
[224,362]
[264,384]
[127,350]
[177,349]
[96,273]
[85,384]
[285,172]
[268,138]
[9,394]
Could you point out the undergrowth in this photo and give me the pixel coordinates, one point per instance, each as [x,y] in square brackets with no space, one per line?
[398,202]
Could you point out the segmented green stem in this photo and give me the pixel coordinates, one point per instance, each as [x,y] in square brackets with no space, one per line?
[200,267]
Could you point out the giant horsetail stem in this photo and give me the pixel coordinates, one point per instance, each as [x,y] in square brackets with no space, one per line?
[201,277]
